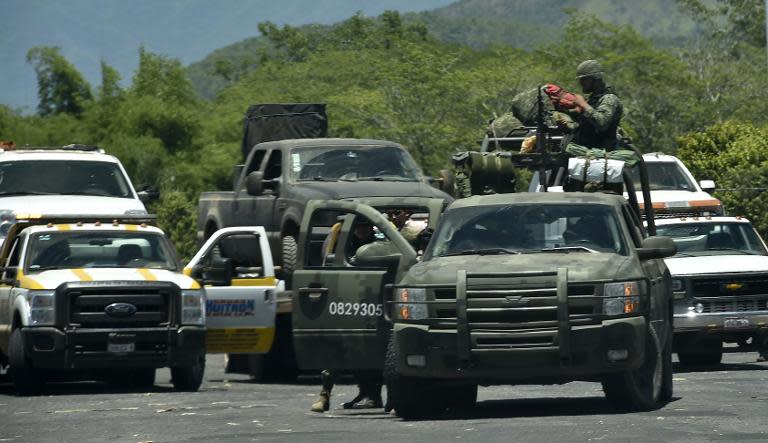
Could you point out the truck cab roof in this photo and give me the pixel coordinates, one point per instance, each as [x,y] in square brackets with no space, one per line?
[540,197]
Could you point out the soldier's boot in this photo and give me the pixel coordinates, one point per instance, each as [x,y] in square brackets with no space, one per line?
[323,403]
[353,403]
[368,397]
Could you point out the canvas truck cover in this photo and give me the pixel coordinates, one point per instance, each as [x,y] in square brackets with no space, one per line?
[281,121]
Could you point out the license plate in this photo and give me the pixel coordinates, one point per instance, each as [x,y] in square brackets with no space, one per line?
[121,348]
[736,323]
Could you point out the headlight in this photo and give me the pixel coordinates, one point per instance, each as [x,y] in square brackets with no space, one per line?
[678,285]
[623,297]
[41,308]
[193,307]
[135,212]
[409,307]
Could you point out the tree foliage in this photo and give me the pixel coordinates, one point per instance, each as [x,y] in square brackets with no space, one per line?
[61,87]
[735,155]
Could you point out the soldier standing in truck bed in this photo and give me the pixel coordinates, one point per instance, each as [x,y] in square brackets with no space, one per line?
[599,115]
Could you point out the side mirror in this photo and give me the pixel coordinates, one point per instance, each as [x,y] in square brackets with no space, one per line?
[379,254]
[657,247]
[9,275]
[219,273]
[707,185]
[236,171]
[148,194]
[254,183]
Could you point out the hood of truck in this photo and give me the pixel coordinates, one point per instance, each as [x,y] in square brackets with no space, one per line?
[582,266]
[71,204]
[55,277]
[345,190]
[717,264]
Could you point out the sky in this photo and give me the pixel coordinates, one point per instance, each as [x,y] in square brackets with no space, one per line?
[88,31]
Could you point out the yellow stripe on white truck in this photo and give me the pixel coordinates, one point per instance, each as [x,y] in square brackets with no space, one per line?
[239,340]
[82,275]
[146,274]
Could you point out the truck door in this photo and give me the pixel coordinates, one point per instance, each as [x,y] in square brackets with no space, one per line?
[337,293]
[236,269]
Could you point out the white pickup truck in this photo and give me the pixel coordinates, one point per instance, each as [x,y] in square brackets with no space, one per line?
[720,286]
[106,298]
[674,190]
[69,180]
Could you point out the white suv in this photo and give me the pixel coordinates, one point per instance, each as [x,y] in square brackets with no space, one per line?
[674,191]
[74,179]
[720,286]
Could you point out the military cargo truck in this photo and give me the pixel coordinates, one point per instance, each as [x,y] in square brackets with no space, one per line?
[279,178]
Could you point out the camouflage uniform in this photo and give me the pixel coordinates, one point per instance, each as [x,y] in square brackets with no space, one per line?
[599,121]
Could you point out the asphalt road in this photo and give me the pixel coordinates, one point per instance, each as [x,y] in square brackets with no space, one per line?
[724,403]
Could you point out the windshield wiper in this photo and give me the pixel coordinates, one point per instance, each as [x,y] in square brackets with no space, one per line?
[9,194]
[387,178]
[568,249]
[94,194]
[731,249]
[485,251]
[319,178]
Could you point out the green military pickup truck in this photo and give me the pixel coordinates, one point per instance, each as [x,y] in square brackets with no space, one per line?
[539,288]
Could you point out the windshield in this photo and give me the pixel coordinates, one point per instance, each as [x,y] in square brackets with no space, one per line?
[353,163]
[512,229]
[99,249]
[664,176]
[713,239]
[62,177]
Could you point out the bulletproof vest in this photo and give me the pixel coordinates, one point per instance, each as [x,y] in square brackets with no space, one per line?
[587,135]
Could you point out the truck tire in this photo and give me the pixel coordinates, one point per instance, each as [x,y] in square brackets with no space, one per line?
[290,251]
[26,380]
[188,378]
[138,378]
[639,389]
[411,398]
[706,351]
[709,358]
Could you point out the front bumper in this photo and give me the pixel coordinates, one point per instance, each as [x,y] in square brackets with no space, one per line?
[715,322]
[53,348]
[589,346]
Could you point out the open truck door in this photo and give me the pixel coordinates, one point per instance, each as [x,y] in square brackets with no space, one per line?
[235,267]
[348,253]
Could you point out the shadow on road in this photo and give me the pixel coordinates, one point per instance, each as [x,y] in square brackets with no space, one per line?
[513,408]
[677,368]
[84,388]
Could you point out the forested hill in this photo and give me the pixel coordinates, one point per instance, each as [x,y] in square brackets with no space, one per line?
[524,24]
[527,23]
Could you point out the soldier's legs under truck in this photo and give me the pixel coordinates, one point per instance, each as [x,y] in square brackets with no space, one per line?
[368,396]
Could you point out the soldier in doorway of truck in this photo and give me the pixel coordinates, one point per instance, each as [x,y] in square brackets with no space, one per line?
[598,115]
[368,395]
[364,237]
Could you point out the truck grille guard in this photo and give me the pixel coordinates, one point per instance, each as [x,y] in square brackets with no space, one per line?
[491,318]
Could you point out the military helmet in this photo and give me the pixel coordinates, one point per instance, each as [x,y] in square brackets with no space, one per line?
[590,68]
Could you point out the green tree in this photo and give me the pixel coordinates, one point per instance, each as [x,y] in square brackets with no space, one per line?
[735,155]
[177,215]
[110,83]
[163,78]
[730,21]
[61,87]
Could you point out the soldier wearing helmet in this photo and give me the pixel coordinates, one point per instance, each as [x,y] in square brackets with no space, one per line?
[598,115]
